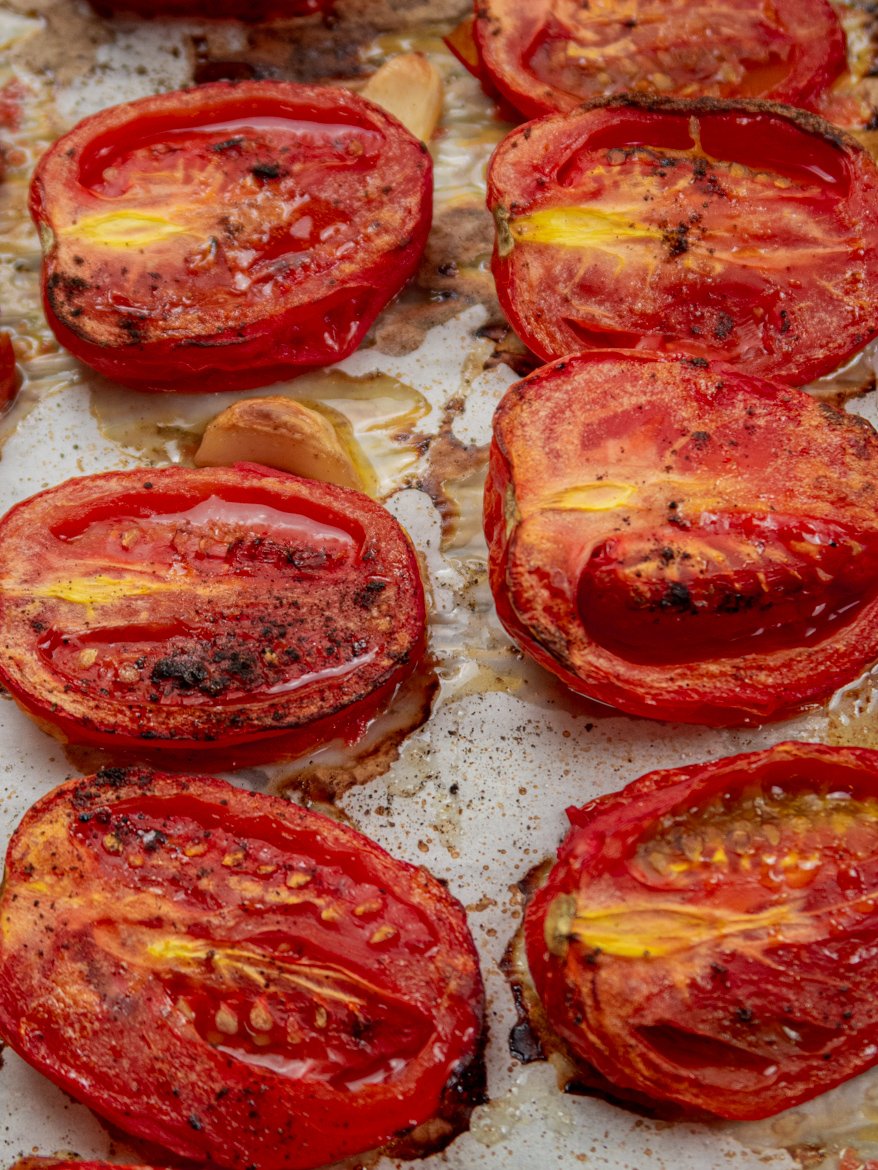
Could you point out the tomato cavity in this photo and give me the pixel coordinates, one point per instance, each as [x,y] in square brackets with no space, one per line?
[554,54]
[606,60]
[725,586]
[255,995]
[773,837]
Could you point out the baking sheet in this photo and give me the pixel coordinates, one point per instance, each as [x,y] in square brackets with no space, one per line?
[477,793]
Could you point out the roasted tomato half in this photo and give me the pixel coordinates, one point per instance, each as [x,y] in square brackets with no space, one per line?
[231,977]
[237,613]
[747,232]
[229,235]
[684,541]
[550,55]
[706,935]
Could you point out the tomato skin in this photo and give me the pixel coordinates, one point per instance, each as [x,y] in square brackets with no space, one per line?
[786,51]
[8,373]
[679,551]
[248,231]
[39,1162]
[746,232]
[701,938]
[227,975]
[233,615]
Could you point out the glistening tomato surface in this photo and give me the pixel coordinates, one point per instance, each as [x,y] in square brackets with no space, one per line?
[237,613]
[706,935]
[551,55]
[683,541]
[229,976]
[228,235]
[747,232]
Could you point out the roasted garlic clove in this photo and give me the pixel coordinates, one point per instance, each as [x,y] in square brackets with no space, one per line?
[282,433]
[410,88]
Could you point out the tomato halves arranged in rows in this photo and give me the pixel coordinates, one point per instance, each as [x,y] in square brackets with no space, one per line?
[707,934]
[228,235]
[550,55]
[747,232]
[684,541]
[238,613]
[230,976]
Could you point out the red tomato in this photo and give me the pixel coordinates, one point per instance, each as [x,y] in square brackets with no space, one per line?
[8,373]
[706,934]
[741,231]
[850,1160]
[235,613]
[229,235]
[550,55]
[230,976]
[250,10]
[12,99]
[41,1163]
[681,541]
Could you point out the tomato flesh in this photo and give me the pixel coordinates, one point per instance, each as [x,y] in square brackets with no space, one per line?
[552,55]
[742,232]
[235,613]
[664,537]
[709,949]
[233,959]
[244,232]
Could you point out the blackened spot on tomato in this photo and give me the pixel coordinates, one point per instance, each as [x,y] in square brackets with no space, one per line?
[185,670]
[112,777]
[195,1122]
[266,170]
[677,597]
[723,327]
[366,597]
[227,144]
[237,662]
[133,328]
[37,626]
[698,363]
[306,558]
[153,840]
[70,285]
[700,438]
[785,322]
[744,1014]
